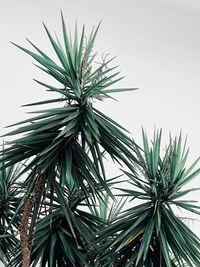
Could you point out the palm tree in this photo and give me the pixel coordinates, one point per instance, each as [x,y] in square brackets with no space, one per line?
[61,209]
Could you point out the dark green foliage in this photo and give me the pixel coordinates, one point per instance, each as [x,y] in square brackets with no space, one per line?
[63,134]
[67,143]
[150,233]
[10,197]
[64,231]
[75,220]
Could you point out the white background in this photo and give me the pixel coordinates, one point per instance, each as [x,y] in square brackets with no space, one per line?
[157,43]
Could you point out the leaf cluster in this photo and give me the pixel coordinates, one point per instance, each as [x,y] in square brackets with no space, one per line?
[77,220]
[150,233]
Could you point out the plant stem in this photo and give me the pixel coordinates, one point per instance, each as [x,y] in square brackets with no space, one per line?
[24,226]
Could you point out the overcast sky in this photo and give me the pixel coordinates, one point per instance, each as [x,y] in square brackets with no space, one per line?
[157,44]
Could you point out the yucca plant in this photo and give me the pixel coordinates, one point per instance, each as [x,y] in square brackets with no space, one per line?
[150,233]
[70,139]
[57,241]
[108,211]
[58,210]
[10,197]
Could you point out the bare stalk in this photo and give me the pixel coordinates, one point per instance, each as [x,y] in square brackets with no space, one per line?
[24,226]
